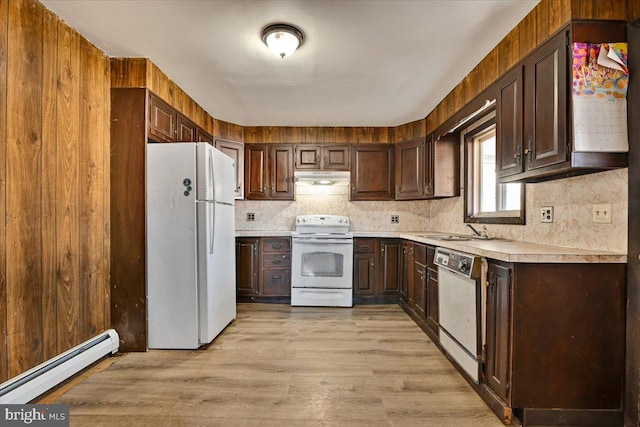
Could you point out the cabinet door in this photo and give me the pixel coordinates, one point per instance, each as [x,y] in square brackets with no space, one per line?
[409,170]
[235,150]
[372,172]
[509,159]
[281,172]
[162,120]
[308,156]
[364,274]
[409,273]
[247,267]
[498,333]
[335,157]
[545,112]
[186,129]
[429,167]
[419,286]
[255,164]
[202,136]
[431,306]
[390,266]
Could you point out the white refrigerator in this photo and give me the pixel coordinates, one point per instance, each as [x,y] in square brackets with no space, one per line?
[191,277]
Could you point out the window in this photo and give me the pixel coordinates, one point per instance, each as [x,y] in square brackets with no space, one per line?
[488,201]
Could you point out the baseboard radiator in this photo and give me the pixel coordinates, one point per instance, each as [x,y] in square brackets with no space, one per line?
[39,379]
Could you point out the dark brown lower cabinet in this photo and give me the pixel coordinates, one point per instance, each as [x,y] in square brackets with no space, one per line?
[263,269]
[377,270]
[498,332]
[419,279]
[431,304]
[555,343]
[247,266]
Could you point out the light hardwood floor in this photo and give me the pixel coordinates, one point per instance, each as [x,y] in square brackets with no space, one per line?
[277,365]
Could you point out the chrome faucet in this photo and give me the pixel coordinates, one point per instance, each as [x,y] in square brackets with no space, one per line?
[482,234]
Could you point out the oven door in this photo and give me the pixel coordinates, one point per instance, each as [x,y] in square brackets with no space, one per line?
[325,262]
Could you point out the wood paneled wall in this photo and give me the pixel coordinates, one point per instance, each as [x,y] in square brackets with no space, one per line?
[142,72]
[317,135]
[54,187]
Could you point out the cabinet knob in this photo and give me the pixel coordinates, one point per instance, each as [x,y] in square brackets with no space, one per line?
[276,277]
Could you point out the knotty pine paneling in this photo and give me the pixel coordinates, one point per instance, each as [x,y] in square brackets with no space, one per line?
[4,27]
[24,185]
[410,131]
[599,9]
[67,188]
[93,178]
[55,149]
[49,182]
[528,33]
[128,72]
[552,16]
[633,11]
[315,135]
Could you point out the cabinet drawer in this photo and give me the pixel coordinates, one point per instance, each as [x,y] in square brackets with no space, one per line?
[276,282]
[364,245]
[276,245]
[276,260]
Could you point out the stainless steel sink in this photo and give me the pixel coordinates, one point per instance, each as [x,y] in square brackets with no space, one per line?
[453,238]
[447,237]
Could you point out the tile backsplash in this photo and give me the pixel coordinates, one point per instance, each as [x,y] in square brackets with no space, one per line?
[571,198]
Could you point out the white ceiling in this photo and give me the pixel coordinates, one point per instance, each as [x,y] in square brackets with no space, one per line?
[363,62]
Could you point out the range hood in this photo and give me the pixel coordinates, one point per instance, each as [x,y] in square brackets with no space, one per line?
[322,177]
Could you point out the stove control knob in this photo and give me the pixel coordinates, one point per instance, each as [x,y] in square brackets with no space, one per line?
[304,220]
[463,265]
[340,220]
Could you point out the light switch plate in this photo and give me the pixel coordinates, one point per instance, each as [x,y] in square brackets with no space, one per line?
[602,213]
[546,214]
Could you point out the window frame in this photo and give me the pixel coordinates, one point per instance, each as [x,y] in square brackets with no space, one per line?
[467,136]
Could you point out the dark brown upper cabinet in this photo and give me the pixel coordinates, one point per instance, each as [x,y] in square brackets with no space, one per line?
[442,166]
[186,129]
[202,136]
[166,124]
[428,169]
[509,90]
[372,172]
[162,120]
[410,168]
[322,157]
[235,150]
[533,112]
[269,172]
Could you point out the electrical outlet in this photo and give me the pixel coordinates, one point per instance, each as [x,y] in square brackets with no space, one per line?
[546,214]
[395,219]
[602,213]
[251,216]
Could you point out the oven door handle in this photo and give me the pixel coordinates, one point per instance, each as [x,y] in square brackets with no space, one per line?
[327,241]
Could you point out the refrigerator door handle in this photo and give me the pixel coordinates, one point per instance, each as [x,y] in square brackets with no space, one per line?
[213,226]
[212,184]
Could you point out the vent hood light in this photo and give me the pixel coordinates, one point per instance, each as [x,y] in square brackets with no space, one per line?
[322,177]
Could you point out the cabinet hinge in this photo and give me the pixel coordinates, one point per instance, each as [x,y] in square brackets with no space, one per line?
[506,387]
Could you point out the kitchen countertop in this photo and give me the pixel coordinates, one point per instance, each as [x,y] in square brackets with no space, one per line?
[502,250]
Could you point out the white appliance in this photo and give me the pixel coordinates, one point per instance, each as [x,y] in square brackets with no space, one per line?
[322,261]
[191,283]
[25,387]
[461,299]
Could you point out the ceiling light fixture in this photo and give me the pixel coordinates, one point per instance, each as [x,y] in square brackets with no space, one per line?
[282,39]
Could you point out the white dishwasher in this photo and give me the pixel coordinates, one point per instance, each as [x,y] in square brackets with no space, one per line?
[462,301]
